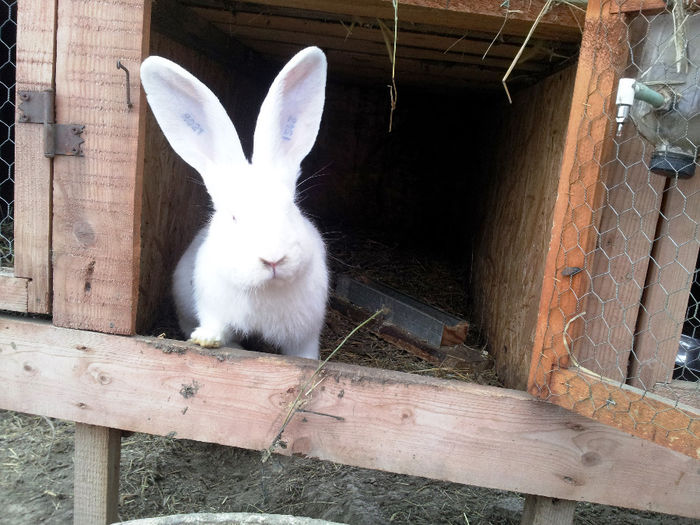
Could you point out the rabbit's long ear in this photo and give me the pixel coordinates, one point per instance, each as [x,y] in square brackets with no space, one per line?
[291,114]
[191,117]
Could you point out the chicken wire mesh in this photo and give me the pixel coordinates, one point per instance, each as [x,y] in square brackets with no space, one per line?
[8,37]
[622,338]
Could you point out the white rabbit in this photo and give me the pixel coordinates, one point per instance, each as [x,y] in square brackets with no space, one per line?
[259,266]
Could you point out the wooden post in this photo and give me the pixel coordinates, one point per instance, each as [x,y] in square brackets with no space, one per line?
[97,197]
[97,451]
[547,511]
[36,42]
[577,210]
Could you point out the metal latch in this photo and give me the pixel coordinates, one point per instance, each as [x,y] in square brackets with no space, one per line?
[59,139]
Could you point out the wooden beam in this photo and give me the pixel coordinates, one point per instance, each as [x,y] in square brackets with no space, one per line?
[371,418]
[96,227]
[547,511]
[632,6]
[369,38]
[628,408]
[96,485]
[679,391]
[561,23]
[14,292]
[581,190]
[36,45]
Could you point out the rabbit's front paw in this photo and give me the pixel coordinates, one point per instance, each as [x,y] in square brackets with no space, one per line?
[205,338]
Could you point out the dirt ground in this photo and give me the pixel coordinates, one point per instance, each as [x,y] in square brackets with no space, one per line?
[162,476]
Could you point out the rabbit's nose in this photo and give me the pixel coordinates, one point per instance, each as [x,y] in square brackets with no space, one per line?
[273,264]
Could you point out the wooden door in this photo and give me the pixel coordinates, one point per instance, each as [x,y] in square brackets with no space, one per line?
[77,235]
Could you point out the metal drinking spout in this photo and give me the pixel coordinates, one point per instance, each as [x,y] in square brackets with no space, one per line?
[629,90]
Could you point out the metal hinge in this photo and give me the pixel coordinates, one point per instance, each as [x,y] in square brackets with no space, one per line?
[59,139]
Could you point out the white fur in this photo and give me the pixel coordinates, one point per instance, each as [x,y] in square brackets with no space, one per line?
[225,286]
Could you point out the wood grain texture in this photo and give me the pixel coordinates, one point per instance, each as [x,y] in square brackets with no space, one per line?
[631,203]
[604,52]
[670,277]
[679,391]
[14,292]
[518,207]
[36,45]
[368,39]
[384,420]
[630,409]
[96,485]
[631,6]
[97,196]
[547,511]
[561,23]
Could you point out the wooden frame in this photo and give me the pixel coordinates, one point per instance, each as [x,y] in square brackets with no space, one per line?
[27,288]
[71,209]
[373,418]
[96,205]
[592,380]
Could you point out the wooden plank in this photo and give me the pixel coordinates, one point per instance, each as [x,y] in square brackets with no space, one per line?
[359,66]
[561,23]
[96,485]
[188,28]
[36,44]
[380,63]
[368,38]
[508,275]
[380,419]
[604,52]
[631,6]
[96,227]
[429,324]
[14,292]
[457,356]
[547,511]
[679,391]
[628,408]
[670,277]
[621,259]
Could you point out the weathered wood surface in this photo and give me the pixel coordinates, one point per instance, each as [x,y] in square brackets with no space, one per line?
[457,356]
[679,391]
[604,53]
[670,277]
[36,42]
[96,485]
[518,205]
[629,217]
[13,292]
[561,23]
[631,6]
[329,34]
[96,220]
[668,423]
[372,418]
[547,511]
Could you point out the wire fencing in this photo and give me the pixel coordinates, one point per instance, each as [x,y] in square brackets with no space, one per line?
[622,342]
[8,38]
